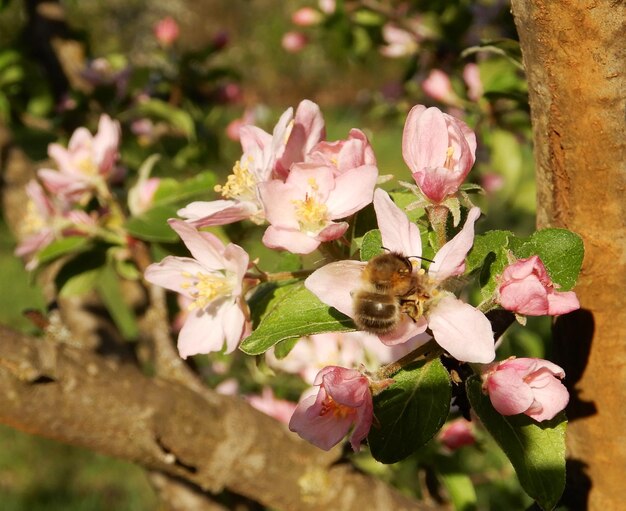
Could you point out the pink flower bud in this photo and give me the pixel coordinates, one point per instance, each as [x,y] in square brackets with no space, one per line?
[471,75]
[457,433]
[327,6]
[439,87]
[343,401]
[306,17]
[439,149]
[530,386]
[525,288]
[166,31]
[293,42]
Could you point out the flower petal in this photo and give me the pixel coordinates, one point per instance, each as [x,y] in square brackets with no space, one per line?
[205,247]
[292,240]
[508,393]
[398,233]
[353,191]
[217,212]
[169,273]
[450,259]
[462,330]
[562,303]
[552,398]
[201,333]
[334,283]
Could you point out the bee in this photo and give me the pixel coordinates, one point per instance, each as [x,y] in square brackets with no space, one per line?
[389,288]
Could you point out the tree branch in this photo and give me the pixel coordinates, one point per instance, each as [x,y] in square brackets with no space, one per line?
[215,442]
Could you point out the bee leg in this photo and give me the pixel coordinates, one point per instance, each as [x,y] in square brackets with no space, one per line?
[412,308]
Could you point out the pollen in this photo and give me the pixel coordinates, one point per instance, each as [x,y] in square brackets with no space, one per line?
[449,155]
[240,184]
[207,287]
[311,214]
[339,411]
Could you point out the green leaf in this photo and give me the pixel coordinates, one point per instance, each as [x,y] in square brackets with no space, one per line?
[561,251]
[108,286]
[282,349]
[155,108]
[489,254]
[372,245]
[174,191]
[410,411]
[63,246]
[152,225]
[508,48]
[536,450]
[80,283]
[79,274]
[461,490]
[295,313]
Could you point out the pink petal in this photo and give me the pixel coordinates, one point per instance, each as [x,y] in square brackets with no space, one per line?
[438,182]
[332,231]
[201,333]
[462,330]
[205,247]
[526,296]
[253,138]
[279,202]
[324,431]
[450,259]
[233,321]
[294,241]
[334,283]
[562,303]
[398,234]
[218,212]
[508,393]
[169,273]
[353,191]
[312,179]
[425,138]
[236,260]
[552,397]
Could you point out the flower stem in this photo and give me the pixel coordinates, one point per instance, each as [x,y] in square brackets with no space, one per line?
[438,216]
[278,276]
[427,351]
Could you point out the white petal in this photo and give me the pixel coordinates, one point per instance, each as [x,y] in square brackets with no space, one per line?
[398,233]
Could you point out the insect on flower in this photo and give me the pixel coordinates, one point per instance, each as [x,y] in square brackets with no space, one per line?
[389,287]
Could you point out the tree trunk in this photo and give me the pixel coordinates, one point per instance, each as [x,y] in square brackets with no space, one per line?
[574,53]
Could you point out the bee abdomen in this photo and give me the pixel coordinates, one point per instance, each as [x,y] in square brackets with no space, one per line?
[376,313]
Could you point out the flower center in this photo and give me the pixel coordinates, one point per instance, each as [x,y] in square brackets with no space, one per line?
[329,405]
[311,214]
[208,287]
[241,184]
[33,222]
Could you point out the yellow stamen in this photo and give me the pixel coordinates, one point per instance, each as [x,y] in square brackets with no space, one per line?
[329,405]
[311,214]
[449,155]
[207,288]
[241,184]
[32,221]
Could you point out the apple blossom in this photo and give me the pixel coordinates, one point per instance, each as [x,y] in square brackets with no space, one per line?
[471,76]
[301,210]
[438,86]
[45,221]
[525,288]
[306,17]
[166,31]
[343,155]
[294,41]
[400,42]
[457,433]
[349,349]
[280,409]
[343,402]
[458,327]
[213,280]
[265,157]
[87,165]
[439,149]
[526,385]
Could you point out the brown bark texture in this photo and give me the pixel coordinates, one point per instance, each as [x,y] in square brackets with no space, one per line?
[575,58]
[212,441]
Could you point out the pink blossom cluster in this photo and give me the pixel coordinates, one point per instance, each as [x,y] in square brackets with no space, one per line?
[294,180]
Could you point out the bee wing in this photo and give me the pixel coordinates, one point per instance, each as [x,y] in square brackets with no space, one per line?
[333,284]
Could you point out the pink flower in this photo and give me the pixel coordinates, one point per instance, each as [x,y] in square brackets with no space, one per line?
[87,165]
[439,149]
[471,75]
[264,157]
[438,86]
[302,209]
[400,42]
[525,288]
[213,280]
[45,221]
[457,433]
[343,155]
[327,6]
[294,42]
[458,327]
[306,17]
[350,349]
[279,409]
[526,385]
[343,401]
[166,31]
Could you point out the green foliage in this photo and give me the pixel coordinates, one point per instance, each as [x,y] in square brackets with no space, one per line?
[61,247]
[108,286]
[536,450]
[410,411]
[293,313]
[372,245]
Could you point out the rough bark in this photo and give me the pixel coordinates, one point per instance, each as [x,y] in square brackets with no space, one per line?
[215,442]
[575,57]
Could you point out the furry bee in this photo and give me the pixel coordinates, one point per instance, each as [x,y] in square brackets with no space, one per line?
[389,288]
